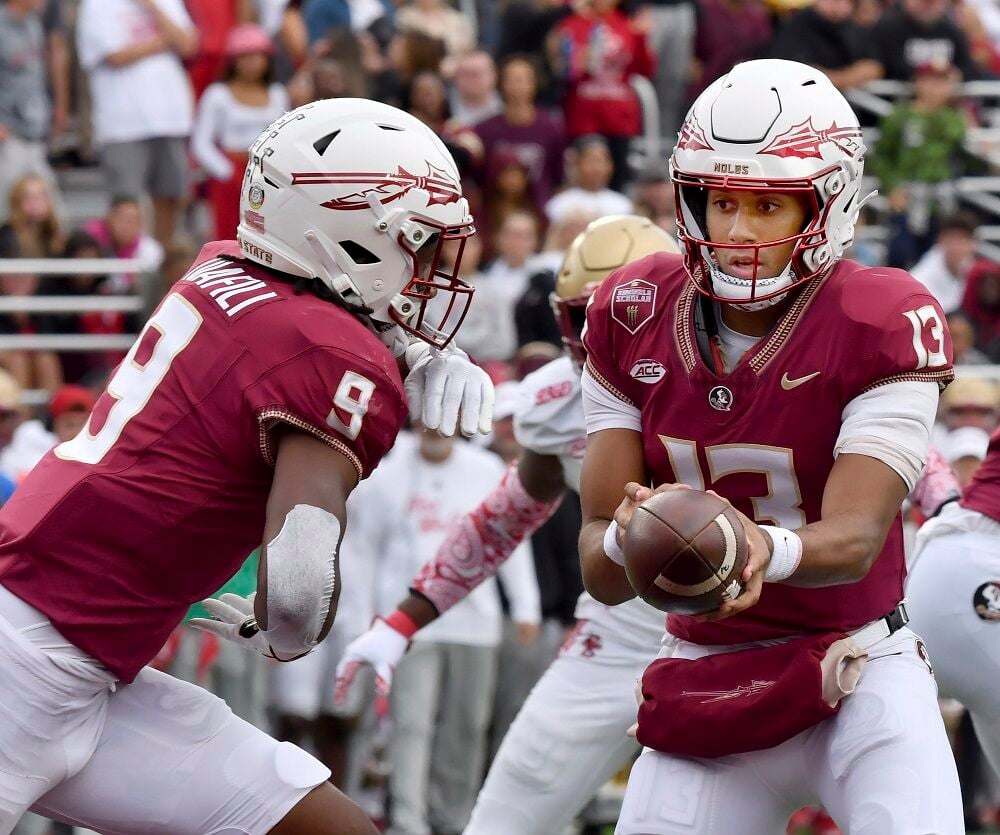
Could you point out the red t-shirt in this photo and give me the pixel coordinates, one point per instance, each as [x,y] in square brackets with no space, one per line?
[598,54]
[161,497]
[763,436]
[982,494]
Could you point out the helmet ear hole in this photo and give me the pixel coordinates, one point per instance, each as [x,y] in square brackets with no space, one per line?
[358,254]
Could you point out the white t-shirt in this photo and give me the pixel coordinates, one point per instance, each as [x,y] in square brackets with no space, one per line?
[932,271]
[224,123]
[579,201]
[403,512]
[148,98]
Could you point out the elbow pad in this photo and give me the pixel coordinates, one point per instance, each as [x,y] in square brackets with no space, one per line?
[301,578]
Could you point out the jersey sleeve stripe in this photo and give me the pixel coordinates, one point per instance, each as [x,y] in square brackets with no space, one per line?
[942,378]
[603,382]
[267,448]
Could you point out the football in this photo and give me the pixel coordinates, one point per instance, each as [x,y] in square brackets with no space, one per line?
[685,551]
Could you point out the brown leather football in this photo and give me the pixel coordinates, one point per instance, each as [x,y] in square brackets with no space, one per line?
[685,551]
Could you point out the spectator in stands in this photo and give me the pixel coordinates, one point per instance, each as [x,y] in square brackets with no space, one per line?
[333,69]
[531,133]
[32,229]
[438,20]
[321,16]
[671,40]
[442,695]
[32,369]
[427,99]
[985,54]
[407,54]
[84,366]
[58,64]
[826,36]
[69,409]
[968,414]
[230,116]
[474,97]
[592,171]
[919,32]
[944,268]
[214,20]
[596,50]
[982,305]
[25,112]
[653,196]
[121,235]
[728,31]
[917,156]
[285,25]
[22,442]
[963,341]
[488,332]
[142,104]
[525,26]
[507,190]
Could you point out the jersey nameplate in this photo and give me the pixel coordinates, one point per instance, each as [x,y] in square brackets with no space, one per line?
[229,286]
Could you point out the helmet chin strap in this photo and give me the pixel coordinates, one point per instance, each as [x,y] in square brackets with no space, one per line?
[723,284]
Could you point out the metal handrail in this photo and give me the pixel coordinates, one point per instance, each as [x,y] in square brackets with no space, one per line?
[69,266]
[67,342]
[71,304]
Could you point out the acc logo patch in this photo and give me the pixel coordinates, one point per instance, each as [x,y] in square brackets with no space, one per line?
[632,304]
[648,371]
[986,601]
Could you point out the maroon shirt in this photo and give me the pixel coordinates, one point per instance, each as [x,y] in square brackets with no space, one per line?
[161,497]
[763,436]
[982,494]
[539,147]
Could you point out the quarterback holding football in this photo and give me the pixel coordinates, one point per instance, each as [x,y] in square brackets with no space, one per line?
[801,387]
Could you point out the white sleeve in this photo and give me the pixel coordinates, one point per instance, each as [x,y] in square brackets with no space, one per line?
[891,423]
[604,410]
[177,12]
[207,128]
[521,585]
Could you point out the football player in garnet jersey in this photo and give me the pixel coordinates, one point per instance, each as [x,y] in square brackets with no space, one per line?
[569,737]
[954,595]
[801,387]
[261,390]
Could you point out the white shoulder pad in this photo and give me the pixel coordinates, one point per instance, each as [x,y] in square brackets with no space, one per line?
[549,416]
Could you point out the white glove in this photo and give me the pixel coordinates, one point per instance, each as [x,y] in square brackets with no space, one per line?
[236,622]
[444,384]
[380,648]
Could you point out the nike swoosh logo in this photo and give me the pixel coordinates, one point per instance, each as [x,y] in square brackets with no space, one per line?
[787,383]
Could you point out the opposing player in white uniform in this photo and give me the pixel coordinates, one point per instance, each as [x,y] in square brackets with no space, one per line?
[570,736]
[954,599]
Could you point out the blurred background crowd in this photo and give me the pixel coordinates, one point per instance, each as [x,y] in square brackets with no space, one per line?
[124,126]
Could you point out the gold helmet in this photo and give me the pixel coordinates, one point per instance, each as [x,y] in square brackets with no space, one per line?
[604,246]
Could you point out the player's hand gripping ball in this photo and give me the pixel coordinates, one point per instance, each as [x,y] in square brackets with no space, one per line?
[685,551]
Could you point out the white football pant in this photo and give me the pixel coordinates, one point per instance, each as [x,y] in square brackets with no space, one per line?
[568,739]
[155,756]
[953,598]
[881,766]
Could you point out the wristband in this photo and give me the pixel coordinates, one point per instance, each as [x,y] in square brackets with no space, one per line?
[612,549]
[786,553]
[402,623]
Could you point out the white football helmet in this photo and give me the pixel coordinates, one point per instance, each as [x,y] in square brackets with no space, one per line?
[363,197]
[769,125]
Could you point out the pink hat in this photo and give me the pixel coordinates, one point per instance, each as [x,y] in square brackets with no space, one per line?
[246,39]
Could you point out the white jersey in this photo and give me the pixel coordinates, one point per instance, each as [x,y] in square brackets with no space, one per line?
[549,420]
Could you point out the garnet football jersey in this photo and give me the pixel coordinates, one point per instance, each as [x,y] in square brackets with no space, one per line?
[764,435]
[159,499]
[983,493]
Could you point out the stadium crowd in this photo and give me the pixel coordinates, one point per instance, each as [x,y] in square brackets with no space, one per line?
[151,105]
